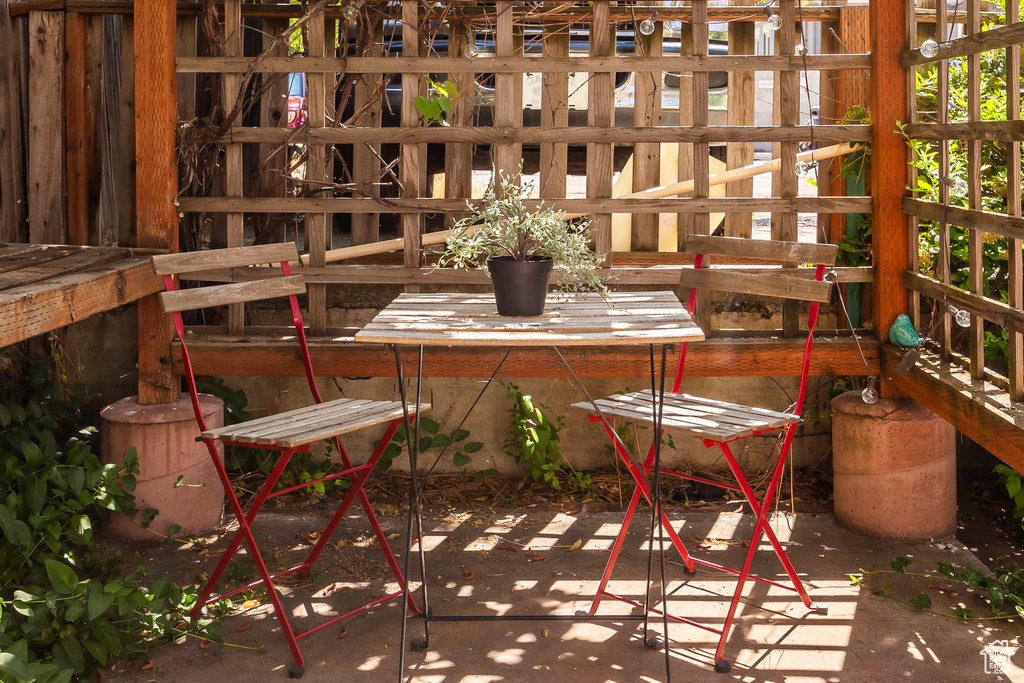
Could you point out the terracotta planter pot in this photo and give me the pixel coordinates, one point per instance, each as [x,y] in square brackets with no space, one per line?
[520,287]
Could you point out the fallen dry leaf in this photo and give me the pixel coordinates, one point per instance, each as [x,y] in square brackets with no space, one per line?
[468,575]
[344,632]
[203,645]
[544,633]
[148,665]
[505,546]
[249,604]
[245,627]
[576,545]
[535,558]
[392,537]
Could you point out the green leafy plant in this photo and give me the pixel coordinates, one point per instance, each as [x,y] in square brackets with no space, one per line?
[438,101]
[63,610]
[431,437]
[504,226]
[533,444]
[1002,590]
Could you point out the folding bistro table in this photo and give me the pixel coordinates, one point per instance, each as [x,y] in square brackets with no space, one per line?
[613,319]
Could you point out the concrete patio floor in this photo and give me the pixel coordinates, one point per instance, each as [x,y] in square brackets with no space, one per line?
[484,561]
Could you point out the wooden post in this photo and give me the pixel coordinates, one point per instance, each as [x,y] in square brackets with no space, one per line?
[554,102]
[646,155]
[12,159]
[234,182]
[601,112]
[508,91]
[126,170]
[975,244]
[112,192]
[684,167]
[1015,295]
[318,233]
[366,165]
[47,211]
[888,169]
[156,184]
[742,41]
[411,156]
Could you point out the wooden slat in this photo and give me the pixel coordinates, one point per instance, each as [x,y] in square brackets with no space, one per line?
[547,134]
[47,217]
[968,130]
[942,97]
[646,156]
[458,157]
[768,250]
[1008,226]
[234,293]
[294,429]
[79,131]
[411,157]
[234,257]
[974,43]
[742,40]
[234,181]
[664,275]
[981,411]
[341,357]
[701,150]
[453,319]
[1015,261]
[273,158]
[27,256]
[975,242]
[600,112]
[508,110]
[507,64]
[608,205]
[684,151]
[981,306]
[29,311]
[554,113]
[778,284]
[317,234]
[82,260]
[12,160]
[108,135]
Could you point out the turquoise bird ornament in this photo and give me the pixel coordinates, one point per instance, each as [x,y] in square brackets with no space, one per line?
[902,332]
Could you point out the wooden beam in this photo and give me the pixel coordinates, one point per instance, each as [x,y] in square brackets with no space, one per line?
[977,408]
[156,182]
[1011,227]
[967,130]
[342,357]
[40,307]
[888,168]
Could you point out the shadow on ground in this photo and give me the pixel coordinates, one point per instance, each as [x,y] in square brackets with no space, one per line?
[488,562]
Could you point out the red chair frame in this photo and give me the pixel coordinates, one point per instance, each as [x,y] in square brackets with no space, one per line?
[357,475]
[760,508]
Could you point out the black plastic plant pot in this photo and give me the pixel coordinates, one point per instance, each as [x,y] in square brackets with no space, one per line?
[520,287]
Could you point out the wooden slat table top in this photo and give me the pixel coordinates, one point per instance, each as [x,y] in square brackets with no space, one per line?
[459,319]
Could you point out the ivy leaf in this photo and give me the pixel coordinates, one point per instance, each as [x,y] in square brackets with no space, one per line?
[13,668]
[99,601]
[922,601]
[17,531]
[98,650]
[5,416]
[947,570]
[62,577]
[460,459]
[33,456]
[107,632]
[80,530]
[962,612]
[428,425]
[472,447]
[883,591]
[900,564]
[460,435]
[36,496]
[76,479]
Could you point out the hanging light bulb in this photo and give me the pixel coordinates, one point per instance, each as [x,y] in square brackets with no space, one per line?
[470,50]
[962,317]
[801,50]
[351,13]
[804,168]
[648,25]
[958,187]
[870,394]
[774,21]
[929,48]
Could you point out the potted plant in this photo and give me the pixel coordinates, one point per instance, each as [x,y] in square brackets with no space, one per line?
[521,246]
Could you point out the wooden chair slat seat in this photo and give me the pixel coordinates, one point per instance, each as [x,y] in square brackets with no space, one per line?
[702,417]
[310,424]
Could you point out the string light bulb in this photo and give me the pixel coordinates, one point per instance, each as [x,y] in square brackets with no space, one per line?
[351,13]
[801,50]
[957,186]
[648,25]
[962,317]
[929,48]
[804,168]
[470,51]
[774,20]
[870,394]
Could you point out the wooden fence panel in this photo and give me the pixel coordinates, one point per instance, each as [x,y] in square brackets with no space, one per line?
[12,159]
[47,211]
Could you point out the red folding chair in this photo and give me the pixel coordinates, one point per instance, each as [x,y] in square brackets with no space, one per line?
[288,433]
[718,423]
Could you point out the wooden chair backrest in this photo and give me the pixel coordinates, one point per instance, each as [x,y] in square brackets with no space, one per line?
[176,300]
[768,281]
[775,282]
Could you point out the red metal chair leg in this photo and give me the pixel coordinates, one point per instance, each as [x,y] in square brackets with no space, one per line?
[245,519]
